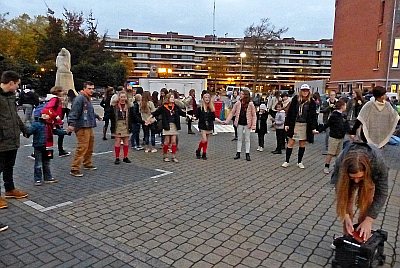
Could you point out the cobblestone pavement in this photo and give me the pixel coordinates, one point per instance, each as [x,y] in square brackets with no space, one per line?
[195,213]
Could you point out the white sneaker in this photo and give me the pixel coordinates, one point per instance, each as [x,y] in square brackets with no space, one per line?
[147,150]
[258,148]
[285,164]
[154,150]
[300,165]
[261,149]
[326,170]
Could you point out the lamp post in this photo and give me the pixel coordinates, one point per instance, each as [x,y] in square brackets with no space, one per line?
[242,56]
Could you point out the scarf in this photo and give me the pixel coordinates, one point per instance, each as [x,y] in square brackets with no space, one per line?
[379,121]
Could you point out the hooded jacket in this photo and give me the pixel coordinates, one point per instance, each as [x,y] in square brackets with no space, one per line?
[10,123]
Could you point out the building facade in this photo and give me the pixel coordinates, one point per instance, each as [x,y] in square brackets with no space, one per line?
[366,45]
[218,59]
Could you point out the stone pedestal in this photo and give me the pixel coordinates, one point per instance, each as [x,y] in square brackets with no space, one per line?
[65,80]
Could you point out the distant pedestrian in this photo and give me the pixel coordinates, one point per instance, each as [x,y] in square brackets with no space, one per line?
[136,123]
[245,120]
[279,122]
[326,109]
[261,126]
[205,113]
[82,120]
[300,123]
[121,123]
[29,100]
[234,98]
[377,119]
[106,104]
[191,108]
[170,113]
[149,131]
[11,127]
[339,127]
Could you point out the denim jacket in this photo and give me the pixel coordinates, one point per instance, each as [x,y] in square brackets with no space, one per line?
[82,113]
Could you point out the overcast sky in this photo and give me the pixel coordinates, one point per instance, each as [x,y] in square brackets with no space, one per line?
[306,19]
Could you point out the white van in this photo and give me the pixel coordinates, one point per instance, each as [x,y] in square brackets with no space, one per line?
[230,89]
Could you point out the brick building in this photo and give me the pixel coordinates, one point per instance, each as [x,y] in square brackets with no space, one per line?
[366,45]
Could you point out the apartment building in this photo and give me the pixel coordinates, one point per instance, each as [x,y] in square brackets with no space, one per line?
[366,45]
[218,59]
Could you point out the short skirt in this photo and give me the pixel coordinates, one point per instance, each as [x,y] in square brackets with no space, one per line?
[300,131]
[172,130]
[121,130]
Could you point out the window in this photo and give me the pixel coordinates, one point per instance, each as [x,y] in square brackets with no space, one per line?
[396,52]
[378,52]
[341,87]
[382,11]
[349,87]
[359,86]
[393,88]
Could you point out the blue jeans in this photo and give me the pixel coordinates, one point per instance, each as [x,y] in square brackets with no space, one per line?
[42,164]
[149,133]
[135,134]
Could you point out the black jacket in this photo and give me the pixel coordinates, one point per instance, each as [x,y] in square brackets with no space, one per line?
[134,114]
[165,113]
[261,125]
[29,97]
[206,119]
[311,118]
[338,125]
[114,117]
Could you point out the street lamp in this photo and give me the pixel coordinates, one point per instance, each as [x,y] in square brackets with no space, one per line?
[242,56]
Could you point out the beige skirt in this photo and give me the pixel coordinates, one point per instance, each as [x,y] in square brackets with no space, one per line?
[300,132]
[121,130]
[172,130]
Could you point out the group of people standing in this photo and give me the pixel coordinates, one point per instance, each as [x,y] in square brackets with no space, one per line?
[359,167]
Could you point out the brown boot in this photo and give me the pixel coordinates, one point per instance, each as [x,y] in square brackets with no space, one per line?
[17,194]
[3,202]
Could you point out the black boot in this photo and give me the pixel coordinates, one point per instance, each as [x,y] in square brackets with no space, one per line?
[104,134]
[248,157]
[198,154]
[237,156]
[204,156]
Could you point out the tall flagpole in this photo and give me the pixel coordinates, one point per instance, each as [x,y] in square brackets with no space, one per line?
[214,22]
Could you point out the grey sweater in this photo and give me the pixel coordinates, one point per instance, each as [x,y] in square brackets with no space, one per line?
[379,173]
[280,120]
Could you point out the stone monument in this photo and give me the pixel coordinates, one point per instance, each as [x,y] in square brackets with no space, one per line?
[64,77]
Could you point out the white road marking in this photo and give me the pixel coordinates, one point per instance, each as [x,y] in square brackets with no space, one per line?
[42,208]
[164,173]
[220,128]
[102,153]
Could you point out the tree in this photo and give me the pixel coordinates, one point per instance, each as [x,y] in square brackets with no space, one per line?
[217,68]
[256,43]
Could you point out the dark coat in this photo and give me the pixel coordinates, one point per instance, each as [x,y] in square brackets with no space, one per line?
[338,125]
[261,125]
[206,119]
[311,118]
[10,123]
[114,118]
[164,112]
[134,114]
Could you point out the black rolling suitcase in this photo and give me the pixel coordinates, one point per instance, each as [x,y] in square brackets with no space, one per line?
[349,253]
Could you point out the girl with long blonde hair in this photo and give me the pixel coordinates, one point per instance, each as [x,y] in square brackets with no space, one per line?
[170,115]
[300,123]
[121,125]
[206,115]
[361,178]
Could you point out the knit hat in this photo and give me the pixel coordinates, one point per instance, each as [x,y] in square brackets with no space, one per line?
[263,107]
